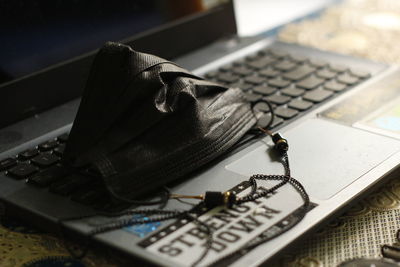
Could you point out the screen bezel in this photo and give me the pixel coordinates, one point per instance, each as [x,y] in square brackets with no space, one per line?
[57,84]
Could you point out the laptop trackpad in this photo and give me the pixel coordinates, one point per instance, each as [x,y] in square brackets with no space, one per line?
[324,156]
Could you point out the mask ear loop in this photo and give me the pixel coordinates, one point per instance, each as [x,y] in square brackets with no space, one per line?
[270,108]
[256,132]
[281,144]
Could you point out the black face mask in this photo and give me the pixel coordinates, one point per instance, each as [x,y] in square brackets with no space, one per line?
[144,121]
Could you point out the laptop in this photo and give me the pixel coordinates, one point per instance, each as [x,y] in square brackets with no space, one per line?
[339,114]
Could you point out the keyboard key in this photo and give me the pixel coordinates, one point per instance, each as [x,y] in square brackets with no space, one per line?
[261,63]
[293,92]
[264,90]
[338,68]
[227,78]
[335,86]
[278,53]
[27,154]
[7,163]
[211,74]
[22,170]
[298,73]
[214,80]
[242,86]
[45,160]
[300,104]
[285,65]
[278,83]
[226,67]
[252,97]
[59,151]
[63,138]
[48,176]
[360,73]
[70,184]
[271,73]
[242,70]
[318,63]
[317,95]
[261,106]
[239,62]
[254,80]
[266,118]
[285,113]
[252,57]
[298,58]
[49,145]
[347,79]
[263,52]
[326,74]
[310,83]
[278,99]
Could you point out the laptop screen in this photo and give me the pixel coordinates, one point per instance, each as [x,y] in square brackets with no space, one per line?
[38,34]
[47,47]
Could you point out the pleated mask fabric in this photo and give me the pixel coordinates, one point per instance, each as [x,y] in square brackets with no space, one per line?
[143,121]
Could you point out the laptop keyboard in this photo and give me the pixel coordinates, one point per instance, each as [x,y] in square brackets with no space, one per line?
[293,84]
[40,167]
[28,163]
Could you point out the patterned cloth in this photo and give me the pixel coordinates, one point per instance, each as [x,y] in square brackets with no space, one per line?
[359,233]
[22,245]
[362,28]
